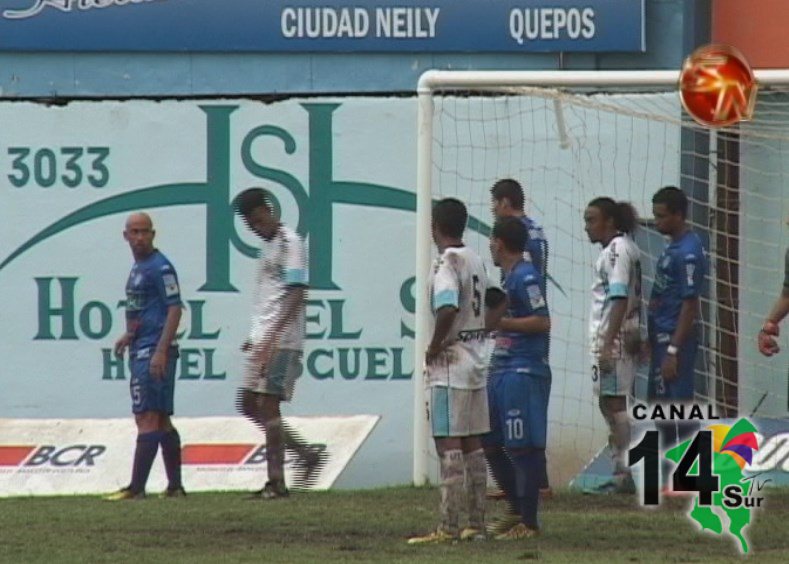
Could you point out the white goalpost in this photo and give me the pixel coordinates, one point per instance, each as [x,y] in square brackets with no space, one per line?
[569,136]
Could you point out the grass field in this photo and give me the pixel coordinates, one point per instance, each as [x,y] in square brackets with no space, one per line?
[362,526]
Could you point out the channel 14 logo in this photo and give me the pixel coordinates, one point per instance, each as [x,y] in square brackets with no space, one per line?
[709,467]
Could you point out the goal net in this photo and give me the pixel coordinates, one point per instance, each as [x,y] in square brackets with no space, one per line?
[569,137]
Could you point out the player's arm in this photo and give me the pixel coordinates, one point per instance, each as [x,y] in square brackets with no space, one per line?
[618,289]
[445,317]
[295,274]
[293,302]
[446,302]
[169,291]
[529,292]
[690,277]
[124,341]
[768,345]
[495,307]
[170,328]
[530,324]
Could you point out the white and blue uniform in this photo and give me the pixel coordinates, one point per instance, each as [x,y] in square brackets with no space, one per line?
[281,266]
[456,380]
[520,381]
[152,287]
[617,276]
[679,276]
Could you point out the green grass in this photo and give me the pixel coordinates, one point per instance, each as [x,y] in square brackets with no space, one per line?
[361,526]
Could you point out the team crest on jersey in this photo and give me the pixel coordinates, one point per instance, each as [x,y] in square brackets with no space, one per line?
[170,285]
[535,296]
[513,413]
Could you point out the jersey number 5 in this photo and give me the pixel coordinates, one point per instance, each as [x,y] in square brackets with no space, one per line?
[476,303]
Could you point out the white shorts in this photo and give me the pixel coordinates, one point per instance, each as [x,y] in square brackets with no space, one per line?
[618,382]
[278,379]
[455,412]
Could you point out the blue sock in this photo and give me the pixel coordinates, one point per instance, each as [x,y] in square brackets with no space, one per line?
[171,453]
[144,455]
[528,475]
[504,473]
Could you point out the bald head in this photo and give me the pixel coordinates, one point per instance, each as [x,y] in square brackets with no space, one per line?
[139,233]
[139,219]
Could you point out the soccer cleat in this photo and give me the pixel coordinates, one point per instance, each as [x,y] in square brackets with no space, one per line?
[626,485]
[519,531]
[503,524]
[436,537]
[495,494]
[173,493]
[619,484]
[272,490]
[473,534]
[546,493]
[307,467]
[124,494]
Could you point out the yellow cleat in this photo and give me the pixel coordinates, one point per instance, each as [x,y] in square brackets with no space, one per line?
[503,524]
[473,534]
[174,493]
[519,531]
[436,537]
[124,495]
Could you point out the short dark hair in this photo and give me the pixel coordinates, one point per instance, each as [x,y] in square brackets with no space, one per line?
[510,189]
[624,214]
[250,199]
[673,198]
[511,232]
[450,216]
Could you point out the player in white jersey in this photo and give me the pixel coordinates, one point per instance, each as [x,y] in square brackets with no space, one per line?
[615,325]
[275,341]
[456,374]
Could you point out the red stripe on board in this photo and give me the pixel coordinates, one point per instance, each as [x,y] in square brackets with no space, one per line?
[14,455]
[215,453]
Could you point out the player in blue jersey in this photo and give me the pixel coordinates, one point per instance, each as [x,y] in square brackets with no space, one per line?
[507,200]
[674,308]
[153,311]
[519,384]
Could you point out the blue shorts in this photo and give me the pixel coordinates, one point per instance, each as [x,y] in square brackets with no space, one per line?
[518,406]
[683,387]
[149,393]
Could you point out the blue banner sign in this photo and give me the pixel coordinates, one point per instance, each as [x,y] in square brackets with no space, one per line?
[322,25]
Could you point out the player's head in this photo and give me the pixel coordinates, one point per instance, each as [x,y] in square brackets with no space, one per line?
[449,219]
[507,240]
[139,233]
[254,206]
[604,218]
[670,208]
[506,198]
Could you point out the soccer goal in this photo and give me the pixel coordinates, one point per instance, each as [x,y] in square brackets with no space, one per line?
[569,136]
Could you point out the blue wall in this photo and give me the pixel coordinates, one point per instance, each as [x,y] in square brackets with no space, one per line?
[673,28]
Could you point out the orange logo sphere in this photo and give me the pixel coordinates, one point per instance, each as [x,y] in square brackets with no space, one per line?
[717,86]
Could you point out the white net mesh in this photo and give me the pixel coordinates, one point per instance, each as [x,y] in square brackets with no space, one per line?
[567,148]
